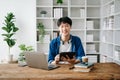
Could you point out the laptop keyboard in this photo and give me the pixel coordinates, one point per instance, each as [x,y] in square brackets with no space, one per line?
[50,67]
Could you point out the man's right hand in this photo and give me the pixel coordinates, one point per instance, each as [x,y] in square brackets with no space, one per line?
[57,58]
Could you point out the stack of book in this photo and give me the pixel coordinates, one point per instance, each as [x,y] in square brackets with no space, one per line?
[81,67]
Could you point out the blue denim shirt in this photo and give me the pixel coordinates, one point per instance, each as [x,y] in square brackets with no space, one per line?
[76,47]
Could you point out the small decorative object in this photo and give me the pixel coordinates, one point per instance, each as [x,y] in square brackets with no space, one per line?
[59,1]
[41,29]
[23,48]
[43,13]
[10,29]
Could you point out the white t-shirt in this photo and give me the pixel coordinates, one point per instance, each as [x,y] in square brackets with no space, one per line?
[66,47]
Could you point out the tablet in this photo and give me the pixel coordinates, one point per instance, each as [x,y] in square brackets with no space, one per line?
[69,54]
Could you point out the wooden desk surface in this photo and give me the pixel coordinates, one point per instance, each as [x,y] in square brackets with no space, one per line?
[100,71]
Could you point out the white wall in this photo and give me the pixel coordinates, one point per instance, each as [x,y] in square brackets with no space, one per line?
[25,14]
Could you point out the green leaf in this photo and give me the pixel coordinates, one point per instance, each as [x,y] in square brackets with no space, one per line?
[10,42]
[59,1]
[41,28]
[21,54]
[9,16]
[8,35]
[8,30]
[22,47]
[29,48]
[15,29]
[5,28]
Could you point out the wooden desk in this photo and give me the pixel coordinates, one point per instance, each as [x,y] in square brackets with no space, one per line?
[102,71]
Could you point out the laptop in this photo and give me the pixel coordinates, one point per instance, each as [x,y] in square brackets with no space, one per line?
[38,60]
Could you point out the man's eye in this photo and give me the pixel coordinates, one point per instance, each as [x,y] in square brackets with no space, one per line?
[61,26]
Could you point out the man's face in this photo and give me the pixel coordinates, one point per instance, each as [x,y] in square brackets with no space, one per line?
[64,29]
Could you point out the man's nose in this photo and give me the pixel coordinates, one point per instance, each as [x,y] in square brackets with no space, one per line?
[64,28]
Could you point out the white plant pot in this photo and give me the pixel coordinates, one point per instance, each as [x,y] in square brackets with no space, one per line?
[43,15]
[10,58]
[22,63]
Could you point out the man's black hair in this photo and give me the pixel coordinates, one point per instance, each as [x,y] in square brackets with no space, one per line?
[64,20]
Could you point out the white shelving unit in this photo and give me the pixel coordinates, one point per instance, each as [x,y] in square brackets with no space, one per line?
[110,31]
[92,28]
[85,15]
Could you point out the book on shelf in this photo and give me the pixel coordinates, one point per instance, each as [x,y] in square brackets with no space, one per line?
[104,24]
[117,55]
[82,13]
[103,38]
[55,34]
[91,51]
[58,12]
[90,48]
[90,24]
[110,23]
[82,65]
[77,69]
[92,58]
[89,37]
[112,8]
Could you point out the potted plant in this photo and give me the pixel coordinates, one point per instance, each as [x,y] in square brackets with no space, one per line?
[21,58]
[10,29]
[59,1]
[41,29]
[43,13]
